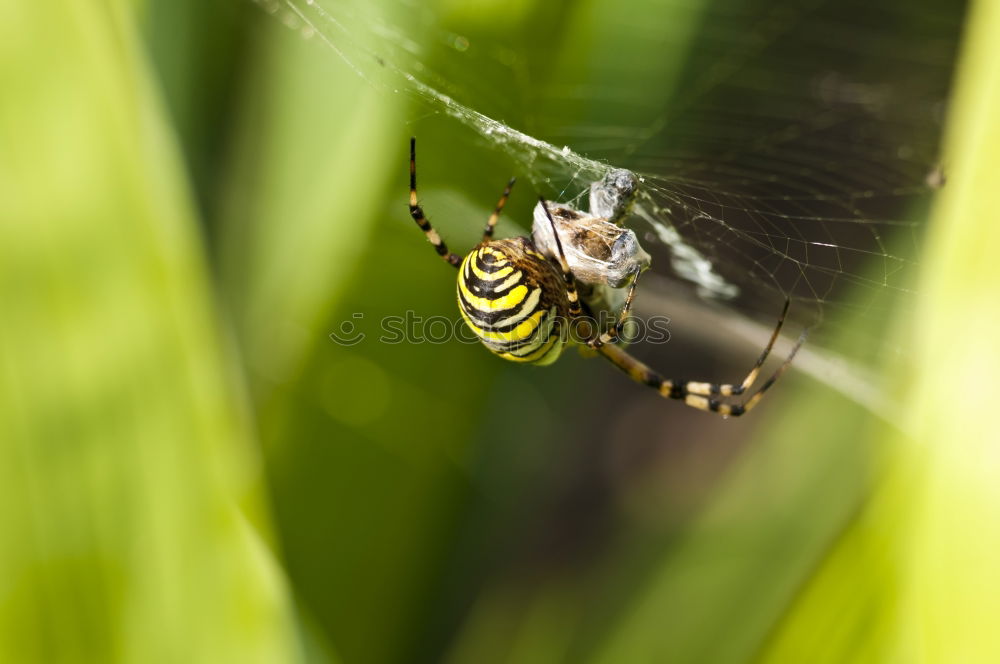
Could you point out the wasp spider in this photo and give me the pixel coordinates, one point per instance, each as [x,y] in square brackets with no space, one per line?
[522,305]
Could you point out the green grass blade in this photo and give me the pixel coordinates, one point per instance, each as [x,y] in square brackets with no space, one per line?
[915,577]
[129,488]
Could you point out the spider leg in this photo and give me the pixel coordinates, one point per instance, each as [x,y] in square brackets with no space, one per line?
[418,213]
[491,224]
[735,390]
[571,294]
[614,333]
[694,394]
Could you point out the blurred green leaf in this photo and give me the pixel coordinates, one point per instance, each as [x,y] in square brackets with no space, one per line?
[915,577]
[130,492]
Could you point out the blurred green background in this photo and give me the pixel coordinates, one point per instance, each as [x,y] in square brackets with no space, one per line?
[192,198]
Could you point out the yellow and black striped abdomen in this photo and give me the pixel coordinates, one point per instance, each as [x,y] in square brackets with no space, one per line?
[514,299]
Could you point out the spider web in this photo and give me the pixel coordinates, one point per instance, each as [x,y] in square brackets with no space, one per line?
[785,148]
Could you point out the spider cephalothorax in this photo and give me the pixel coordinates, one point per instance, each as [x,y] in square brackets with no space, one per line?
[520,297]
